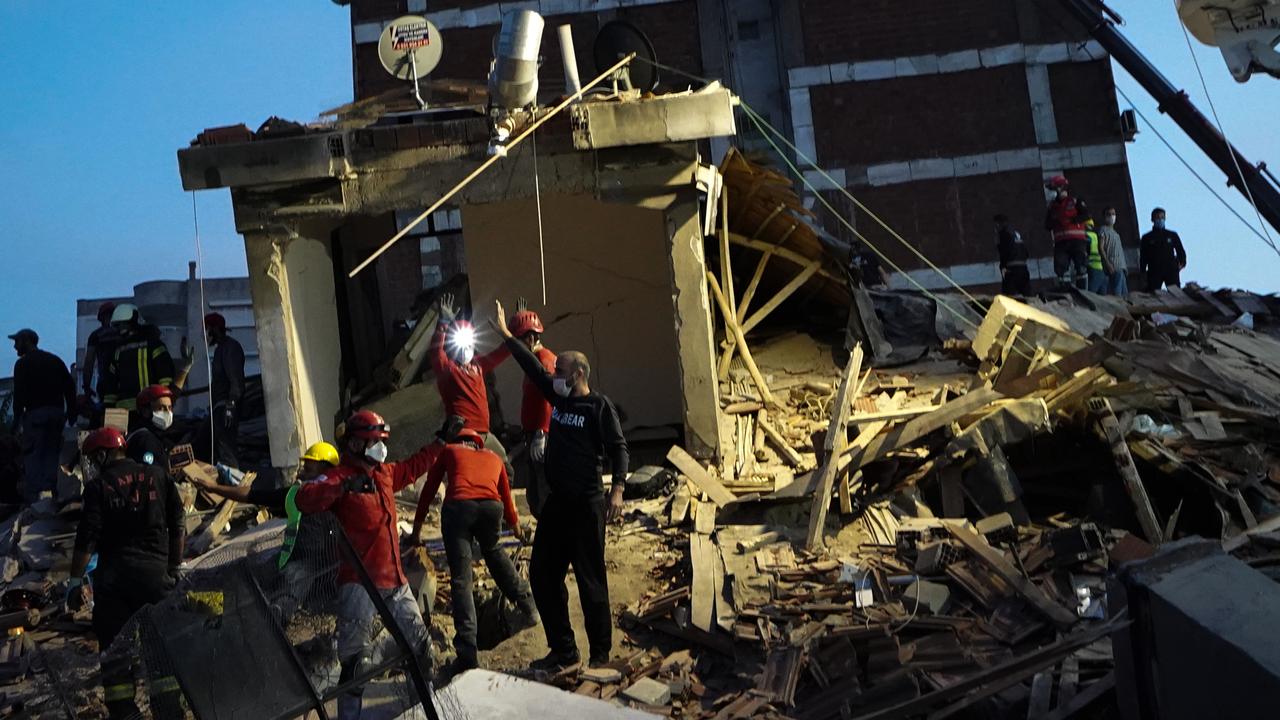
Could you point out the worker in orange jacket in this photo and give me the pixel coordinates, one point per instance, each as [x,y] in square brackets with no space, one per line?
[1065,219]
[535,411]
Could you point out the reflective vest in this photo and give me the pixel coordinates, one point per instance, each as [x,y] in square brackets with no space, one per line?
[1095,256]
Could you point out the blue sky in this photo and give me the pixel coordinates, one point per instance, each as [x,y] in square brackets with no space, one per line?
[88,136]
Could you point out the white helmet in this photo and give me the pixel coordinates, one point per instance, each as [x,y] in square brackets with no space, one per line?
[125,312]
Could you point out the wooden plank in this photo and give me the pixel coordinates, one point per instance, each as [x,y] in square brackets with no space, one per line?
[921,426]
[704,519]
[680,503]
[753,284]
[1069,681]
[1041,692]
[897,414]
[725,615]
[1109,428]
[784,253]
[788,453]
[703,554]
[832,446]
[781,296]
[950,481]
[700,477]
[732,324]
[726,264]
[1092,694]
[1066,367]
[1059,615]
[203,539]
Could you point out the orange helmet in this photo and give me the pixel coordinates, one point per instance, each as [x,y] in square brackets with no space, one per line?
[151,393]
[469,435]
[367,425]
[525,322]
[107,438]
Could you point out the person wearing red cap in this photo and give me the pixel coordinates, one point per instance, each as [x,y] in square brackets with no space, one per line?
[99,347]
[535,411]
[150,442]
[460,372]
[133,519]
[360,492]
[1065,218]
[226,389]
[477,499]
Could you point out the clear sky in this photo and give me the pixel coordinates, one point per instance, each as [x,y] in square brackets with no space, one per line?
[97,97]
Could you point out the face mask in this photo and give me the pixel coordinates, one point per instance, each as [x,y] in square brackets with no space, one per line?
[1111,220]
[561,386]
[162,419]
[1159,224]
[1062,194]
[376,452]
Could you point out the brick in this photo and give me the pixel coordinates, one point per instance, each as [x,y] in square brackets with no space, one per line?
[840,30]
[649,692]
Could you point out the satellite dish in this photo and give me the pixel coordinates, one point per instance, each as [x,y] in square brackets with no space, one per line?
[616,40]
[410,48]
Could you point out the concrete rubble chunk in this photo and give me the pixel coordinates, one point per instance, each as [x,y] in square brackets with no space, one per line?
[649,692]
[602,675]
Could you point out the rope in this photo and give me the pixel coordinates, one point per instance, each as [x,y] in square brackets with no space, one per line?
[1235,161]
[537,198]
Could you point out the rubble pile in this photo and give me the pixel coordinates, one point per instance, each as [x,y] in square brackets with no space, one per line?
[979,500]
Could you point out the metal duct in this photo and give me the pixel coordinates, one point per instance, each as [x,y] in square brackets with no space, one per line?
[514,81]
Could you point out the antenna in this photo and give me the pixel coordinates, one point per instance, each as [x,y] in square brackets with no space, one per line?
[618,39]
[410,48]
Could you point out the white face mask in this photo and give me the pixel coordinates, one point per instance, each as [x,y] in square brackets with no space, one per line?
[1110,220]
[162,419]
[376,452]
[561,386]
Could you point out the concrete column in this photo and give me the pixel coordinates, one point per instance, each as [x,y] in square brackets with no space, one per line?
[693,327]
[295,311]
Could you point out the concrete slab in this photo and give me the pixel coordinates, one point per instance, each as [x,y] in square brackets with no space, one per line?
[479,694]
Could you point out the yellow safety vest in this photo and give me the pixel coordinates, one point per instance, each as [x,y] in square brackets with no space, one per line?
[1095,256]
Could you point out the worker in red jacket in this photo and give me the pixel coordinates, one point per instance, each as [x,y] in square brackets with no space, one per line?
[460,373]
[477,499]
[1065,218]
[360,492]
[535,411]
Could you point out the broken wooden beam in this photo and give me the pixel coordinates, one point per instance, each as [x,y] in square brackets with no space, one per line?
[976,544]
[788,453]
[915,429]
[1109,428]
[700,477]
[731,323]
[833,446]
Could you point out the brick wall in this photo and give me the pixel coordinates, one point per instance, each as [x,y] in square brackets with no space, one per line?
[839,30]
[1084,106]
[926,116]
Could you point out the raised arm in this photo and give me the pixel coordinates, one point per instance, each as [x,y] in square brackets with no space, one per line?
[428,495]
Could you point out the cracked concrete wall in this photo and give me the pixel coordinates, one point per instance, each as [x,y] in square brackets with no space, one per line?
[608,294]
[294,309]
[689,294]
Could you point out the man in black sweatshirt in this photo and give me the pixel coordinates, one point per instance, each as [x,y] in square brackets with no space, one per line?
[584,430]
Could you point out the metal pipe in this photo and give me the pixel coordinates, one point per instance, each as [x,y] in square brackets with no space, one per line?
[571,82]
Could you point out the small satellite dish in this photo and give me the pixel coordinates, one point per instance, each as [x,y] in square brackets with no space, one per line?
[410,48]
[616,40]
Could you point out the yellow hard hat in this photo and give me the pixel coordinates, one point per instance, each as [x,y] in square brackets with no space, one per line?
[322,452]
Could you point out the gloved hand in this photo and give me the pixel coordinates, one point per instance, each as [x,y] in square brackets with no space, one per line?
[187,352]
[177,572]
[521,304]
[448,311]
[228,415]
[79,593]
[538,446]
[453,425]
[359,484]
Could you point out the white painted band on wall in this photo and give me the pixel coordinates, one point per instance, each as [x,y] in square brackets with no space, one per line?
[915,65]
[492,13]
[1049,160]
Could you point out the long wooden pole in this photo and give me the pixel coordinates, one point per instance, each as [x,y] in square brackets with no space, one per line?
[731,323]
[485,165]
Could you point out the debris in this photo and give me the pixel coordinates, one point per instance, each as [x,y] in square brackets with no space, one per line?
[649,692]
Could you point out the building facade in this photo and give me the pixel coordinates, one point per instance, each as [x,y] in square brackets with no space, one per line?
[935,116]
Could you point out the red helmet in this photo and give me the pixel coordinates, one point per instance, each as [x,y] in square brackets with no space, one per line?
[367,425]
[151,393]
[1057,182]
[215,320]
[107,438]
[525,322]
[470,435]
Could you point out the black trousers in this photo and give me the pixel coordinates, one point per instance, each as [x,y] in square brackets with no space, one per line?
[460,521]
[1158,277]
[534,475]
[1016,281]
[571,532]
[225,439]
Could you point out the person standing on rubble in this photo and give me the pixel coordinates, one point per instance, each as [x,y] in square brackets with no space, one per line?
[1065,219]
[133,520]
[140,359]
[477,500]
[1161,255]
[360,492]
[226,390]
[535,411]
[1097,271]
[100,346]
[150,443]
[1014,276]
[1111,247]
[460,373]
[44,397]
[584,429]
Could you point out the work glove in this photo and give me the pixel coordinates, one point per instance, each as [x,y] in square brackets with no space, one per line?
[228,416]
[359,484]
[79,593]
[448,311]
[538,446]
[453,425]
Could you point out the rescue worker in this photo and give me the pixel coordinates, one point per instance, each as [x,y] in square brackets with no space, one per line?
[460,373]
[535,411]
[150,442]
[1161,256]
[1111,247]
[226,389]
[1065,218]
[1097,273]
[360,492]
[477,499]
[44,397]
[133,520]
[584,430]
[1014,277]
[98,349]
[140,359]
